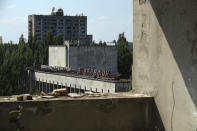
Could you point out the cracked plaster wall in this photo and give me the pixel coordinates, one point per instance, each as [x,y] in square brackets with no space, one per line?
[165,59]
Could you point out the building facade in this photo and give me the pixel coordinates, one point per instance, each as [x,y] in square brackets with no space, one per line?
[90,57]
[72,28]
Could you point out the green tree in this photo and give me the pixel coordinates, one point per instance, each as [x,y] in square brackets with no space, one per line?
[104,44]
[32,42]
[124,57]
[58,40]
[114,41]
[100,43]
[92,43]
[47,40]
[24,59]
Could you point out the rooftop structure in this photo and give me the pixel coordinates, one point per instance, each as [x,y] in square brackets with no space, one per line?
[72,28]
[92,68]
[90,57]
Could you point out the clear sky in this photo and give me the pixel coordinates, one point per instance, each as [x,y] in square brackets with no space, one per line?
[106,18]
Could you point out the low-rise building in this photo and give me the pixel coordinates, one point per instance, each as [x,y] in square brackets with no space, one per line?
[90,57]
[80,67]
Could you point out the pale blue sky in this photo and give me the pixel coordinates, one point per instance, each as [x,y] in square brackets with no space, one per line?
[106,18]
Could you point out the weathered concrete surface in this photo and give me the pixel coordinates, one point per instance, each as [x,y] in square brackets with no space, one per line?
[78,82]
[57,56]
[96,114]
[165,59]
[93,57]
[98,57]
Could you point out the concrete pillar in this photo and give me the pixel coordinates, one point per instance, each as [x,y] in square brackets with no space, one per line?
[57,85]
[79,89]
[42,85]
[39,85]
[53,85]
[46,88]
[75,89]
[66,87]
[49,86]
[165,59]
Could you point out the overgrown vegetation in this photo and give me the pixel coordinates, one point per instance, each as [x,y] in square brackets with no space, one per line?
[14,58]
[16,115]
[125,58]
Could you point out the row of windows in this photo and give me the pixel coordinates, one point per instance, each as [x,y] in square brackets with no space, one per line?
[61,20]
[38,37]
[37,29]
[54,24]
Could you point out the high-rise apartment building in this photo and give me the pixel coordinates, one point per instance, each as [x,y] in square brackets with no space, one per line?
[72,28]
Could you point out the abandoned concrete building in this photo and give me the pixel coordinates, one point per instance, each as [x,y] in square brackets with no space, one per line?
[164,81]
[96,59]
[70,27]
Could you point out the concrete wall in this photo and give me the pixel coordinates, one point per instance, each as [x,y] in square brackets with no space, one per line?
[80,83]
[96,57]
[99,57]
[101,114]
[57,56]
[165,59]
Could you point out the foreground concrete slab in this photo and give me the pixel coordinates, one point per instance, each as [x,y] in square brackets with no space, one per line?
[108,113]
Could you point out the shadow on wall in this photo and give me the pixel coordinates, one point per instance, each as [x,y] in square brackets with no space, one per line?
[178,21]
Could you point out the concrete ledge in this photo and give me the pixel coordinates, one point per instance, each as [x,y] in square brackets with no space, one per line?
[74,81]
[89,114]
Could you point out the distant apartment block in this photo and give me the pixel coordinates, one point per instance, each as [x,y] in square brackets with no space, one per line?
[1,40]
[72,28]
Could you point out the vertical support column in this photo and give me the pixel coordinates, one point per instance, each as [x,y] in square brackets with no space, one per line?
[66,87]
[46,87]
[39,85]
[42,85]
[49,86]
[79,89]
[53,85]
